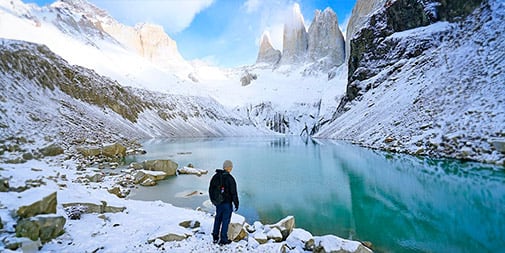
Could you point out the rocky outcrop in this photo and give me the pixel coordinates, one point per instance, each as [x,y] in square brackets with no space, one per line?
[367,36]
[41,227]
[114,150]
[148,178]
[47,205]
[267,53]
[247,78]
[325,38]
[295,38]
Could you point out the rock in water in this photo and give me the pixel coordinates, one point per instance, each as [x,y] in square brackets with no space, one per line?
[267,53]
[167,166]
[44,227]
[295,38]
[325,38]
[46,205]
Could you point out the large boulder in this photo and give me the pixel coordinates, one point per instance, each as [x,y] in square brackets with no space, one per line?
[236,231]
[44,227]
[46,205]
[114,150]
[148,178]
[285,225]
[175,234]
[167,166]
[52,150]
[89,152]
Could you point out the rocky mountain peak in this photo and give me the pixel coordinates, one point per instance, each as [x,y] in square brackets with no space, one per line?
[295,37]
[325,38]
[267,53]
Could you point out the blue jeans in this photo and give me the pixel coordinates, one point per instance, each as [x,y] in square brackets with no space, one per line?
[222,220]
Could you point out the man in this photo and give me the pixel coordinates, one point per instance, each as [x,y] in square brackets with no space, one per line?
[222,192]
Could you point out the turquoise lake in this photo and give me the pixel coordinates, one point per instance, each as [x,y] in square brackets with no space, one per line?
[398,202]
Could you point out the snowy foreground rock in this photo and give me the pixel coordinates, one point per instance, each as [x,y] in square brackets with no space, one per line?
[63,213]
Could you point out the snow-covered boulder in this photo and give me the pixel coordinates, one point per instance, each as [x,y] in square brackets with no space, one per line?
[334,244]
[267,53]
[176,233]
[285,225]
[295,38]
[300,239]
[260,237]
[274,234]
[95,208]
[325,38]
[247,78]
[190,170]
[148,178]
[23,243]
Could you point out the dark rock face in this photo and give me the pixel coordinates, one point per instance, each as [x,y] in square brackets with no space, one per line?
[371,50]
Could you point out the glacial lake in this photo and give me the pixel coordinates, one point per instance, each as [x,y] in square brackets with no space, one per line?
[398,202]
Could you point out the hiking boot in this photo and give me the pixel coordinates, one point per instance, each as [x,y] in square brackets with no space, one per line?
[215,239]
[224,242]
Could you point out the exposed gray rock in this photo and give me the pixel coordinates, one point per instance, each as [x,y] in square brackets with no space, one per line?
[267,53]
[52,150]
[247,78]
[44,227]
[325,38]
[46,205]
[295,38]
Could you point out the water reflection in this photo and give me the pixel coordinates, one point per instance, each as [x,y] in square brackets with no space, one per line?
[400,203]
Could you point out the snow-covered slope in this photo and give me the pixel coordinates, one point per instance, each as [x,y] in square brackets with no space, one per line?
[436,90]
[43,94]
[87,36]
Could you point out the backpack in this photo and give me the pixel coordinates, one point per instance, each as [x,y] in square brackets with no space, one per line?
[216,189]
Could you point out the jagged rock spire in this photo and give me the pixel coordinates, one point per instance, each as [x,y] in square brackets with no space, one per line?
[325,37]
[295,37]
[267,53]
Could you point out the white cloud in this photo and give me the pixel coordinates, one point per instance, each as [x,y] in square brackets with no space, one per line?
[174,15]
[252,5]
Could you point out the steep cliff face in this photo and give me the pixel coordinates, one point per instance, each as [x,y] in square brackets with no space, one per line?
[295,38]
[370,47]
[427,79]
[325,38]
[267,53]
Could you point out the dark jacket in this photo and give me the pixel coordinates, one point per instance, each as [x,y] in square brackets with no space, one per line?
[230,186]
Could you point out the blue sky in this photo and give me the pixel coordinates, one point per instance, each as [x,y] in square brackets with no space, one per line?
[221,32]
